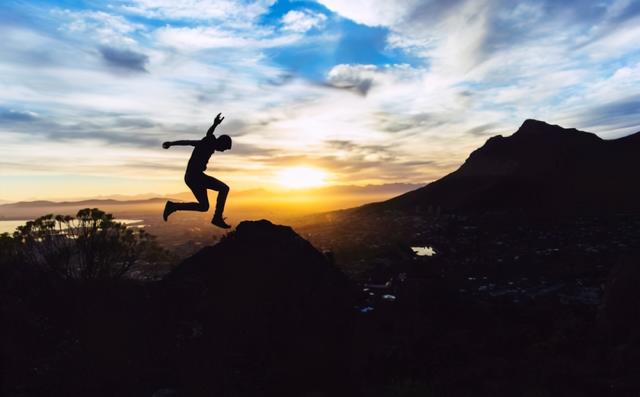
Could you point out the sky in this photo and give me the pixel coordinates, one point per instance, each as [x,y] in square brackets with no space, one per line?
[364,91]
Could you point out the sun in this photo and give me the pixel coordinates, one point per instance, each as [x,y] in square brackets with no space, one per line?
[301,177]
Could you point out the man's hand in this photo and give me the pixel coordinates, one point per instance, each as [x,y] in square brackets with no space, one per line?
[166,145]
[215,124]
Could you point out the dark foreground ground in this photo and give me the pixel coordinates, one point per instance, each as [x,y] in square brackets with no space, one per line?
[506,306]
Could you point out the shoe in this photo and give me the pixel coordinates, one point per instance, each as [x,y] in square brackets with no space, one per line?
[219,221]
[168,210]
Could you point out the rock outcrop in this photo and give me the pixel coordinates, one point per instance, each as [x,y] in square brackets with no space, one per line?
[260,313]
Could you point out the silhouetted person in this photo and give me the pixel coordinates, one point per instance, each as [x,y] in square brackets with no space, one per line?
[197,180]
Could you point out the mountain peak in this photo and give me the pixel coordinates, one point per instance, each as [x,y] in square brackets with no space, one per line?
[250,248]
[263,228]
[541,167]
[531,126]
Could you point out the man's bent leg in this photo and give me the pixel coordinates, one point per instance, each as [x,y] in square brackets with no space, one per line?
[223,192]
[221,200]
[199,191]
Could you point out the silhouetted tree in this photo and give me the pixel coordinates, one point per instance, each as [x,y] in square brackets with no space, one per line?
[8,249]
[89,246]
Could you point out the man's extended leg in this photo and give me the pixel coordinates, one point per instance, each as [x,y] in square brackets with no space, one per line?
[199,190]
[223,192]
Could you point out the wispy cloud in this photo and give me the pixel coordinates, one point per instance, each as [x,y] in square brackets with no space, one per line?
[300,21]
[207,37]
[229,10]
[103,27]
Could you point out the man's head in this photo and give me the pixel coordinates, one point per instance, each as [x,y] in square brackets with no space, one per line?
[223,143]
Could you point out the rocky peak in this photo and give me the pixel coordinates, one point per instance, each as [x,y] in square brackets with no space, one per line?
[531,126]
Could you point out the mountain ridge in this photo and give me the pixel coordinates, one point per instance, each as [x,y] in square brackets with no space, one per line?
[540,167]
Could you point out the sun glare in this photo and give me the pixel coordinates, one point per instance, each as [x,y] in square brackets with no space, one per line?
[301,177]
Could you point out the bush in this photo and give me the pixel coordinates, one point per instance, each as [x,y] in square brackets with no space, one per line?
[89,246]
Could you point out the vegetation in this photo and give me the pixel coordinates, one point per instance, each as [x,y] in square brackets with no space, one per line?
[89,246]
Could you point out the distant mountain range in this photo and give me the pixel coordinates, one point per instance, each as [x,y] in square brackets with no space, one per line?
[541,167]
[32,209]
[256,200]
[79,203]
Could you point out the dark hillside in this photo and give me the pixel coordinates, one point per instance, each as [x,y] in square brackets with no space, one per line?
[540,168]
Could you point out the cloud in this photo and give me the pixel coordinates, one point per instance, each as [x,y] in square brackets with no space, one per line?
[124,59]
[372,12]
[87,133]
[359,77]
[300,21]
[12,116]
[363,78]
[115,37]
[484,129]
[233,10]
[621,114]
[361,150]
[107,128]
[106,28]
[208,37]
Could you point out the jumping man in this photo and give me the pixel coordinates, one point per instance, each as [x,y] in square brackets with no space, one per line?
[197,180]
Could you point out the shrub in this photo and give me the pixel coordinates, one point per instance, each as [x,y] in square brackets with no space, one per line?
[89,246]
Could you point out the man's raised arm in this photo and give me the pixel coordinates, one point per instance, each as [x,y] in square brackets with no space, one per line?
[216,122]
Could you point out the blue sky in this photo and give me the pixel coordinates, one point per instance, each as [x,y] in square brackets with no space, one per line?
[369,91]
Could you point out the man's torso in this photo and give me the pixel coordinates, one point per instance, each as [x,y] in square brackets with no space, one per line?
[201,154]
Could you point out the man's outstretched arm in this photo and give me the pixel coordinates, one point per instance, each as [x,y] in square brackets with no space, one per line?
[216,122]
[167,145]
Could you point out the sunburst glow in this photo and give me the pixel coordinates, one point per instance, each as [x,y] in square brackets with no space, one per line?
[301,177]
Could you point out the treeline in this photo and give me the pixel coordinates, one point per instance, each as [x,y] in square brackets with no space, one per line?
[90,246]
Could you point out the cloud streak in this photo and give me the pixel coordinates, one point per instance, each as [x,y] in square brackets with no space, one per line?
[124,59]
